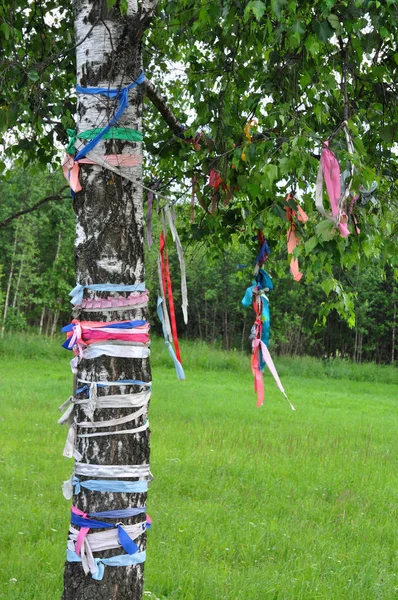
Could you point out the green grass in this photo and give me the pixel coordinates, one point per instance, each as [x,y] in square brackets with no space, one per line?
[246,503]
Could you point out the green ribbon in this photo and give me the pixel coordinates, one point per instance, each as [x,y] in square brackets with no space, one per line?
[114,133]
[70,149]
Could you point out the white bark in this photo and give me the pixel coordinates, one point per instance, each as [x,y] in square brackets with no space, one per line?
[7,298]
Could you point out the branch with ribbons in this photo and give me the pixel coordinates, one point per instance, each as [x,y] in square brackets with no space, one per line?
[337,189]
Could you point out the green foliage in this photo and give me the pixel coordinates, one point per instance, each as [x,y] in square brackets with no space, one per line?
[282,63]
[265,83]
[42,266]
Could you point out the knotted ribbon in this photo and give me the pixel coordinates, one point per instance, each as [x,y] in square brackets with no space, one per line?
[71,166]
[81,519]
[81,334]
[73,486]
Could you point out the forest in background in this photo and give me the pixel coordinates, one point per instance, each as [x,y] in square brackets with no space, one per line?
[37,273]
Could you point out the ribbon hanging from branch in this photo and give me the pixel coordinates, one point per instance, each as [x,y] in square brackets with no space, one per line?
[292,240]
[338,192]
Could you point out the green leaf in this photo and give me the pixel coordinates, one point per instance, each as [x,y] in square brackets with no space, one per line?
[326,230]
[389,133]
[257,7]
[324,31]
[298,28]
[334,21]
[328,285]
[271,173]
[310,244]
[276,6]
[33,75]
[6,29]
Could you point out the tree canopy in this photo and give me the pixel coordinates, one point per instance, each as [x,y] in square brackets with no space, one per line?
[258,87]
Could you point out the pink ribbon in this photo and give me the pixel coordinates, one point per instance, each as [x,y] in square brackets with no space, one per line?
[83,530]
[259,346]
[71,167]
[331,173]
[111,302]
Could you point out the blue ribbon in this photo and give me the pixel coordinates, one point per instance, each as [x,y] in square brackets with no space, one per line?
[120,382]
[124,513]
[107,485]
[263,250]
[125,540]
[77,292]
[122,95]
[177,364]
[121,560]
[124,325]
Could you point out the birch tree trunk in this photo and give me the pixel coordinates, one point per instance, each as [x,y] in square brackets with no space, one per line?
[109,248]
[7,299]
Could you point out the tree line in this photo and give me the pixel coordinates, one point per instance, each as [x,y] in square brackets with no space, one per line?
[37,273]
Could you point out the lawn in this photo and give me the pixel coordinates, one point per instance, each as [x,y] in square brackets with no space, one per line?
[246,503]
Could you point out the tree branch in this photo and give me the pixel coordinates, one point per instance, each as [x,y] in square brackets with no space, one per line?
[38,204]
[164,109]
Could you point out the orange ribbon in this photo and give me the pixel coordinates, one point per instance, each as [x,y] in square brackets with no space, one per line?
[71,167]
[292,240]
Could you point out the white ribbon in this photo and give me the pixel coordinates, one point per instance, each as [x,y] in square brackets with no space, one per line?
[105,540]
[124,350]
[114,422]
[121,432]
[97,542]
[164,308]
[112,471]
[184,293]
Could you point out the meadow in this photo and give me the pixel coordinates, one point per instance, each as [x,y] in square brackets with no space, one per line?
[247,503]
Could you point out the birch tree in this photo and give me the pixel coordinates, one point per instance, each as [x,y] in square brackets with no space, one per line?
[268,84]
[109,248]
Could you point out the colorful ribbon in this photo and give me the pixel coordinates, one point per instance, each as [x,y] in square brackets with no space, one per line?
[73,486]
[137,300]
[292,240]
[71,167]
[149,220]
[81,334]
[177,364]
[77,292]
[259,344]
[121,383]
[122,560]
[168,292]
[123,513]
[123,471]
[123,98]
[329,169]
[171,218]
[82,520]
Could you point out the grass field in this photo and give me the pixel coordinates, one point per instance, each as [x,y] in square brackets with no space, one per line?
[246,503]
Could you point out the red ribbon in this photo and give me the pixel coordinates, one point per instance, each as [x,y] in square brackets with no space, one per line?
[168,290]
